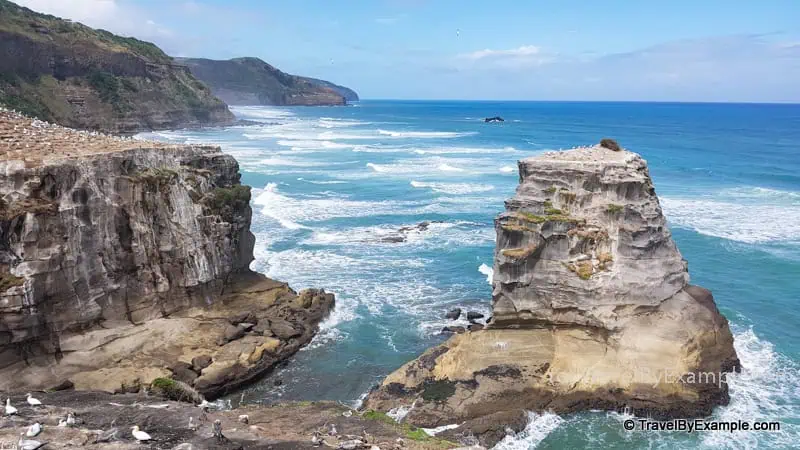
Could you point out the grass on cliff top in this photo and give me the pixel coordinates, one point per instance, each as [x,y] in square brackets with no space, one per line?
[409,431]
[44,27]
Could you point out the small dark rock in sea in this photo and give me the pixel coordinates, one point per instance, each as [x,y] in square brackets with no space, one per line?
[278,382]
[453,314]
[494,119]
[474,315]
[457,330]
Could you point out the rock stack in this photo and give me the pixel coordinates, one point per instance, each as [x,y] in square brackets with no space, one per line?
[592,309]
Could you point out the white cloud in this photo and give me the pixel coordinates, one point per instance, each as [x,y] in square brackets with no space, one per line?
[519,52]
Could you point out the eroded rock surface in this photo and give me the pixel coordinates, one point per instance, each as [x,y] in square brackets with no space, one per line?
[591,308]
[116,265]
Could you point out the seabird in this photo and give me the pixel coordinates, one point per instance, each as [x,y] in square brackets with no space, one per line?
[216,429]
[204,405]
[192,425]
[62,422]
[32,401]
[70,420]
[10,410]
[140,436]
[27,444]
[34,430]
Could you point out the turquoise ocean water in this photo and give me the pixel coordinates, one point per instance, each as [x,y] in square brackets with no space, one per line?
[330,182]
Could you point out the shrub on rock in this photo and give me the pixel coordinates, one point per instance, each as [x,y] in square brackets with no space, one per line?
[610,144]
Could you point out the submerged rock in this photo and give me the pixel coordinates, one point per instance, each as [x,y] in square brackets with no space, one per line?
[453,314]
[591,308]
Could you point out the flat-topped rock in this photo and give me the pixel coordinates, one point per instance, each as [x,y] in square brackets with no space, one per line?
[583,237]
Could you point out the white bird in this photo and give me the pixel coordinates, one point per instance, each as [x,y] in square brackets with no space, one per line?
[10,410]
[70,420]
[140,436]
[205,405]
[62,422]
[34,430]
[26,444]
[32,401]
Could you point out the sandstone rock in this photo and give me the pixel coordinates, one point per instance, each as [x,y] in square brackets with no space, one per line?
[183,372]
[453,314]
[246,316]
[591,309]
[283,329]
[201,362]
[262,327]
[233,333]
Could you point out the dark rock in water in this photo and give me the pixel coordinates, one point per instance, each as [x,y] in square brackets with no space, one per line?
[458,330]
[393,239]
[283,329]
[494,119]
[453,314]
[475,327]
[474,315]
[278,382]
[489,429]
[201,362]
[402,232]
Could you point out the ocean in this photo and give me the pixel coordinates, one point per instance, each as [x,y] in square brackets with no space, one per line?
[332,186]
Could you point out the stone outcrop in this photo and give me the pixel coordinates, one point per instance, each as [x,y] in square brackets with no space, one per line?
[67,73]
[251,81]
[117,266]
[591,308]
[104,421]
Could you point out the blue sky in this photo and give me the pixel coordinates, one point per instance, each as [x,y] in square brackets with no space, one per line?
[679,50]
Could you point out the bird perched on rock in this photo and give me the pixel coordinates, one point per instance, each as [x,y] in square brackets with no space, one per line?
[70,419]
[244,418]
[139,435]
[32,401]
[192,425]
[34,430]
[27,444]
[108,436]
[10,410]
[216,429]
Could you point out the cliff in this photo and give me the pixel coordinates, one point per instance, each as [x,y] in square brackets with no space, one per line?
[76,76]
[591,310]
[348,94]
[251,81]
[124,260]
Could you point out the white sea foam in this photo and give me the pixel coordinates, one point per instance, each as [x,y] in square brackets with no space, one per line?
[750,222]
[508,169]
[539,427]
[444,167]
[291,211]
[437,235]
[322,181]
[425,134]
[464,150]
[261,113]
[488,271]
[767,389]
[453,188]
[440,429]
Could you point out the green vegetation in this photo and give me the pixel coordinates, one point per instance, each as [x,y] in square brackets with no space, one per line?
[583,269]
[550,190]
[614,209]
[610,144]
[529,217]
[106,84]
[175,390]
[553,211]
[9,280]
[518,253]
[226,202]
[409,431]
[438,390]
[157,178]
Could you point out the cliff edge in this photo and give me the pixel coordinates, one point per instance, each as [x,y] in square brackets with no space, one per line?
[122,261]
[591,310]
[251,81]
[67,73]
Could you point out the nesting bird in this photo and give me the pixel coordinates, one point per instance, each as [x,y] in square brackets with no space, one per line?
[10,410]
[34,430]
[27,444]
[139,435]
[32,401]
[70,420]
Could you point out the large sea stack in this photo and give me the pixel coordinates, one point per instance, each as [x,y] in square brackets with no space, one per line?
[592,309]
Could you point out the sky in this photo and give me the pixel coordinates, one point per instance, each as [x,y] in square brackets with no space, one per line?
[655,50]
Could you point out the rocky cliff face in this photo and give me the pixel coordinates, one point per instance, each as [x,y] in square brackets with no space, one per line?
[76,76]
[592,309]
[120,258]
[251,81]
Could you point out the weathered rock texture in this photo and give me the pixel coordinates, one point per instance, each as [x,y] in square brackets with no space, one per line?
[104,421]
[73,75]
[251,81]
[592,308]
[116,266]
